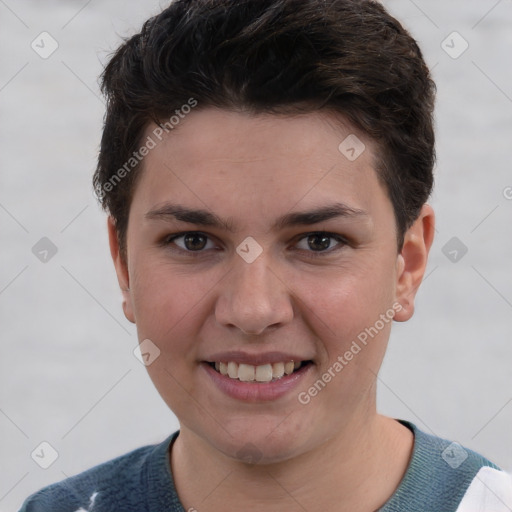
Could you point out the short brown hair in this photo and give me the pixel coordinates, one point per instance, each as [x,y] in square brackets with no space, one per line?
[273,56]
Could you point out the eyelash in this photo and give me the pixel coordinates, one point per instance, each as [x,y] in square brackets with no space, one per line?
[310,254]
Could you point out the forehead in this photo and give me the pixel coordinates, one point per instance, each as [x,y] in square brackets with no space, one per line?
[232,135]
[260,163]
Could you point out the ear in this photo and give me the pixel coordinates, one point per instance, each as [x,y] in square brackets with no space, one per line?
[412,261]
[121,267]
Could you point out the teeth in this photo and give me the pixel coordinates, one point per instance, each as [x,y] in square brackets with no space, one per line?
[261,373]
[246,372]
[288,367]
[277,370]
[233,370]
[264,373]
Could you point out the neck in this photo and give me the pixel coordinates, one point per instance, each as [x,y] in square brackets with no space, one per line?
[356,470]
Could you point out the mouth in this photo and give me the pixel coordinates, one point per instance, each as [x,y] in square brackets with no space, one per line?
[270,372]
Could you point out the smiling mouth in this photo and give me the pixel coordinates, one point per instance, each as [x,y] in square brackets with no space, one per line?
[270,372]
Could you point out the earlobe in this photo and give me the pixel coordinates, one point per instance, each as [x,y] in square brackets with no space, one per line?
[412,261]
[121,267]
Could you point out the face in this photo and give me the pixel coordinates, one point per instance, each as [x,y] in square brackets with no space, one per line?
[254,241]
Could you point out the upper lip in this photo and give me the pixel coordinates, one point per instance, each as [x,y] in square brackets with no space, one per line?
[255,359]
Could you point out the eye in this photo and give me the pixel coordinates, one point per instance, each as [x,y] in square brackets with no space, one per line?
[320,242]
[193,241]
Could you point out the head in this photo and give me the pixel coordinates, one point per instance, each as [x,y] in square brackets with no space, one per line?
[268,126]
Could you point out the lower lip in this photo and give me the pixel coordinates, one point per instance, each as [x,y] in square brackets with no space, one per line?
[256,391]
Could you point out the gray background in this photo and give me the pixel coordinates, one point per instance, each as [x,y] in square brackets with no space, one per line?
[67,371]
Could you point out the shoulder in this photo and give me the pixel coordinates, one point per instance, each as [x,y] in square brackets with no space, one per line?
[440,475]
[103,487]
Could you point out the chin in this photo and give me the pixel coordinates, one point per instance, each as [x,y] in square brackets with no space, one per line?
[259,443]
[258,454]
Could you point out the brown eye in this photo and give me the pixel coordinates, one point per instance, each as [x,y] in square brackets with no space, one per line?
[320,242]
[193,241]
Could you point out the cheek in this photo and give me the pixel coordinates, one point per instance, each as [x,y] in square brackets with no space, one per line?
[170,308]
[344,299]
[342,307]
[167,302]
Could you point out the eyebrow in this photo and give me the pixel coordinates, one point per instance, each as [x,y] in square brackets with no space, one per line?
[317,215]
[202,217]
[169,212]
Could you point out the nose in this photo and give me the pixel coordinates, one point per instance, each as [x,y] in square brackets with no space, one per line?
[253,298]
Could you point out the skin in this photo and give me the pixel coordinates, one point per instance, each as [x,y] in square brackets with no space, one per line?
[336,452]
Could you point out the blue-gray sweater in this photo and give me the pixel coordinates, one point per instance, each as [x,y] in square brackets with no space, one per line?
[436,480]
